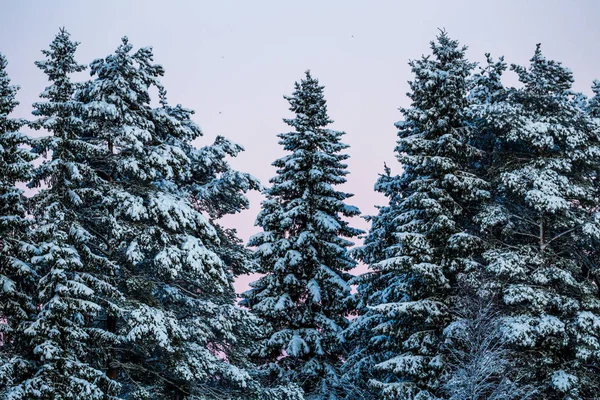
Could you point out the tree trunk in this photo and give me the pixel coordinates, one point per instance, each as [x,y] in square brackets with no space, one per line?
[111,326]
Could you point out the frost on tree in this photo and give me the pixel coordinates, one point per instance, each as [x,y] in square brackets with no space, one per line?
[181,334]
[423,240]
[477,365]
[543,228]
[17,277]
[304,296]
[73,284]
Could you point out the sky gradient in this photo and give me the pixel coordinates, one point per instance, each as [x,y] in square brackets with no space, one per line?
[232,61]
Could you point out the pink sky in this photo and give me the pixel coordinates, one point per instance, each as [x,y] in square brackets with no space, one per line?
[232,61]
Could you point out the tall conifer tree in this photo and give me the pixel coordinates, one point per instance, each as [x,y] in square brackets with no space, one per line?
[542,222]
[74,283]
[17,277]
[420,244]
[182,335]
[305,296]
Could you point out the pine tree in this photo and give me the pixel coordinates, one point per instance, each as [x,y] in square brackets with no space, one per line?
[17,277]
[305,296]
[182,335]
[420,244]
[74,274]
[541,225]
[373,287]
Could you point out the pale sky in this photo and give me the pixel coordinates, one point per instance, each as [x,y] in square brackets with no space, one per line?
[232,61]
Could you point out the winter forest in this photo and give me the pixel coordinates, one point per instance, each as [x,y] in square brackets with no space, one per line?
[483,262]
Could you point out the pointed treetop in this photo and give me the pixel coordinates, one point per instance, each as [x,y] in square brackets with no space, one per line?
[445,48]
[60,58]
[487,83]
[7,91]
[59,64]
[544,75]
[387,170]
[439,86]
[123,63]
[125,47]
[8,126]
[309,104]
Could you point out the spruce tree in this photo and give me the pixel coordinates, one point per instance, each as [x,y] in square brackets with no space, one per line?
[74,276]
[373,287]
[304,295]
[17,277]
[420,244]
[542,224]
[182,334]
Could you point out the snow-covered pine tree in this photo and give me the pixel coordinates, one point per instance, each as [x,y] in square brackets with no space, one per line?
[540,225]
[74,274]
[183,335]
[373,287]
[304,295]
[17,278]
[420,244]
